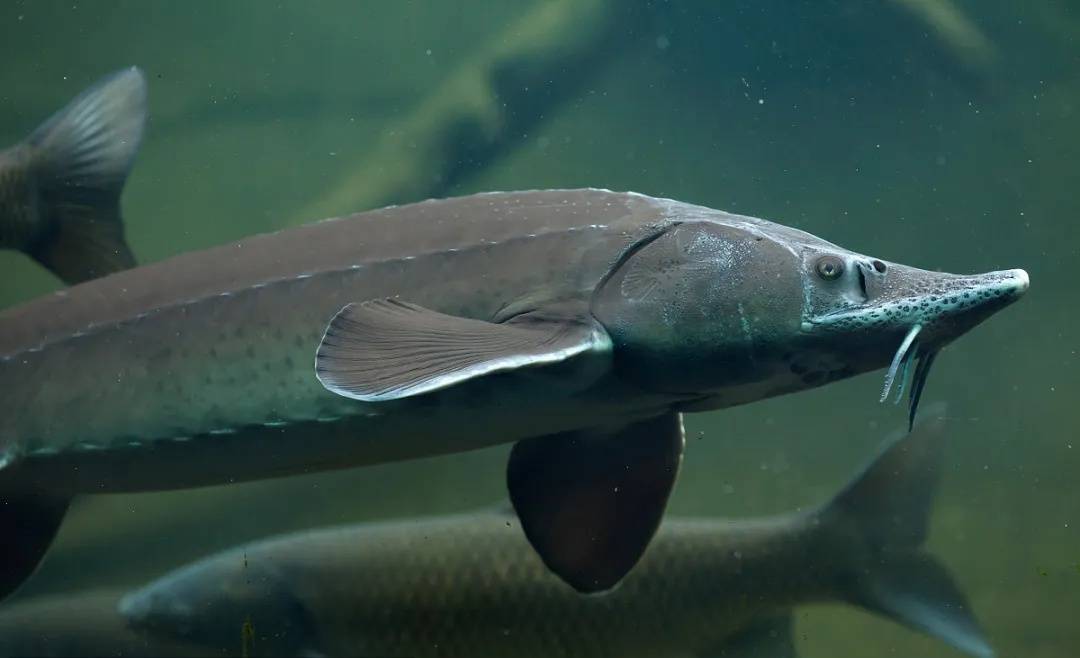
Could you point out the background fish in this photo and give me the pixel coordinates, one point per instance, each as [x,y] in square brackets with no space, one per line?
[60,187]
[470,585]
[82,624]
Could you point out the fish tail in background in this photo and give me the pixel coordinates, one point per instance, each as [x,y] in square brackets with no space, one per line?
[28,524]
[880,520]
[78,161]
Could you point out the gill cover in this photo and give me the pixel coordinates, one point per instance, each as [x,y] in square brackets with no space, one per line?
[689,307]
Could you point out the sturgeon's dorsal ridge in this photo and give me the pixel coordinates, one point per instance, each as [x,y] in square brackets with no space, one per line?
[388,349]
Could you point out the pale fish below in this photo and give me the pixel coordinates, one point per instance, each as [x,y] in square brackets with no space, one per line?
[82,624]
[466,586]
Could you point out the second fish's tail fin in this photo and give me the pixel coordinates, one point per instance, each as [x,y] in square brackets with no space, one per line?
[78,161]
[879,525]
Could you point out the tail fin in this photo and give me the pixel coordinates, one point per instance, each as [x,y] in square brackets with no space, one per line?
[28,524]
[887,507]
[79,160]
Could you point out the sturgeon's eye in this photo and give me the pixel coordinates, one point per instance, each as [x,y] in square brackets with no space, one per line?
[830,268]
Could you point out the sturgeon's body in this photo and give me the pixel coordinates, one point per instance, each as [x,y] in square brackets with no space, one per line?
[199,369]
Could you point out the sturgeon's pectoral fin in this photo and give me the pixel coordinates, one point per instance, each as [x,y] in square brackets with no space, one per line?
[769,637]
[28,523]
[590,501]
[387,349]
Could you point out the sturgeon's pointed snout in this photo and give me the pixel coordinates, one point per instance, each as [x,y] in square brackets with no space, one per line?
[1002,283]
[1015,282]
[948,305]
[982,294]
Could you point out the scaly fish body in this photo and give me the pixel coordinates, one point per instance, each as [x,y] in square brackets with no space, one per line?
[76,625]
[470,585]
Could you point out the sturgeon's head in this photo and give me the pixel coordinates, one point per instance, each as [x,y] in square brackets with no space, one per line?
[734,308]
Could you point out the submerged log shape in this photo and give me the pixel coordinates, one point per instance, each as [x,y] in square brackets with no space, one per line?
[482,107]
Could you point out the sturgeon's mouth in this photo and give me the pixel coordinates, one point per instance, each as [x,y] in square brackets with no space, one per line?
[965,302]
[932,309]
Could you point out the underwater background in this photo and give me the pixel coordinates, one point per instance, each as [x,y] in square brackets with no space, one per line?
[939,133]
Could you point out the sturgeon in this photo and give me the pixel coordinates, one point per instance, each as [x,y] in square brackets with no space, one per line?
[469,585]
[578,324]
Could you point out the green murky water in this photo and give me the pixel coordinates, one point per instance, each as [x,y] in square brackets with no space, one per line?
[943,135]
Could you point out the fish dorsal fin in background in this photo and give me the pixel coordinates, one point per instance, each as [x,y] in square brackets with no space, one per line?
[387,349]
[891,499]
[889,571]
[590,501]
[79,160]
